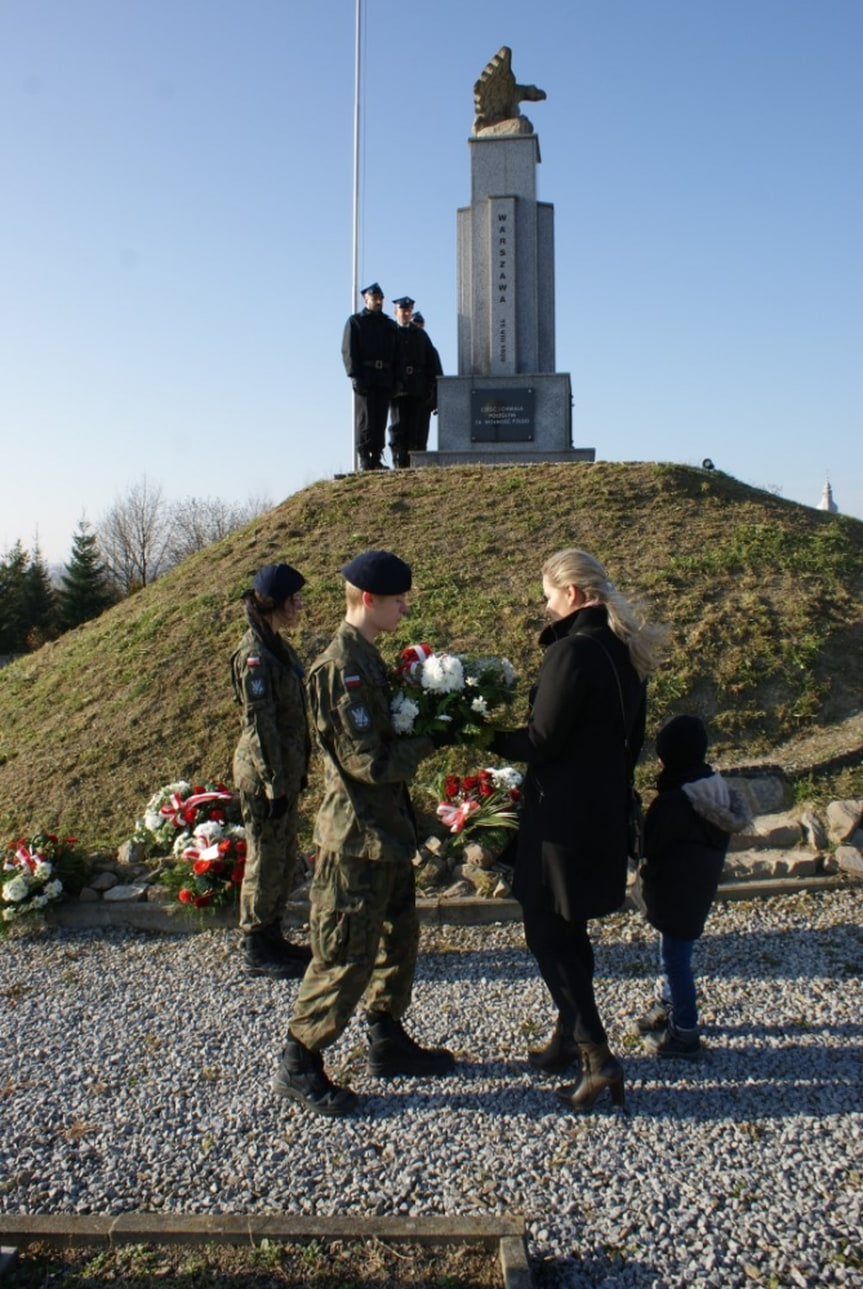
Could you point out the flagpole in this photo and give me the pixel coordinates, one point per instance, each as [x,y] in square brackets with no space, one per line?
[355,267]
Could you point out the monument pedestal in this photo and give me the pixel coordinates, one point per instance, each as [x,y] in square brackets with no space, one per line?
[502,420]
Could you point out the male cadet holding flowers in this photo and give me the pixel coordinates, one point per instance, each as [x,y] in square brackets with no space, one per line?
[364,925]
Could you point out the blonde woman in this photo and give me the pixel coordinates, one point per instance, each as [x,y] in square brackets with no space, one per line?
[584,732]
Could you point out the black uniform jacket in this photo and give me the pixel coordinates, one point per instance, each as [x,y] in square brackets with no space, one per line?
[417,364]
[369,349]
[572,842]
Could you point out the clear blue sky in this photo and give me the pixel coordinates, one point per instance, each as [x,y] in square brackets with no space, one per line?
[175,226]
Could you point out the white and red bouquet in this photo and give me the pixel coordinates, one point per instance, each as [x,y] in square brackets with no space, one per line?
[489,799]
[216,859]
[200,826]
[445,691]
[178,808]
[38,871]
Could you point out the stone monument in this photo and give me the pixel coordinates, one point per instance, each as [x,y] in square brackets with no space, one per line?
[507,404]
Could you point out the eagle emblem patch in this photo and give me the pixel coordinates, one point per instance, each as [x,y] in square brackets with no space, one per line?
[359,715]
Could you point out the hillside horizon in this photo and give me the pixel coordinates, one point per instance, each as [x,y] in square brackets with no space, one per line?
[762,597]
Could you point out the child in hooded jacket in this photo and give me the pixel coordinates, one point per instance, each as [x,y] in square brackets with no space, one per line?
[686,833]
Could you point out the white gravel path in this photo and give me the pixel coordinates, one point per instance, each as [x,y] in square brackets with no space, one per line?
[135,1070]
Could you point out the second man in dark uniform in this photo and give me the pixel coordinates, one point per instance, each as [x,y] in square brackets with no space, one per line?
[413,396]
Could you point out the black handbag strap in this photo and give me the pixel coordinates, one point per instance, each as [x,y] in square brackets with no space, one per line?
[630,764]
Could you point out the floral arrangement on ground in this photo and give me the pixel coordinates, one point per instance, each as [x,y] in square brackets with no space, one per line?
[449,693]
[198,829]
[487,800]
[39,871]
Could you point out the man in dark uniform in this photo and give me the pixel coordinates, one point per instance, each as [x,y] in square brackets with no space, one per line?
[414,386]
[430,405]
[364,925]
[369,352]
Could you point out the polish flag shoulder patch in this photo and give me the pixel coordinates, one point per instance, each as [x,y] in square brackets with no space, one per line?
[353,682]
[253,661]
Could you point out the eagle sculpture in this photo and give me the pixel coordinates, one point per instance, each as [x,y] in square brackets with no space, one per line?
[496,98]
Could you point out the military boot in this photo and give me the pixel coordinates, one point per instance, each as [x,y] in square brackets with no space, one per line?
[393,1052]
[263,958]
[285,949]
[559,1053]
[302,1077]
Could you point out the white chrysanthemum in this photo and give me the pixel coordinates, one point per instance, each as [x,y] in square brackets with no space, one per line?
[443,673]
[404,712]
[158,799]
[181,841]
[209,831]
[152,820]
[480,706]
[15,890]
[236,832]
[505,777]
[42,871]
[54,889]
[9,914]
[39,901]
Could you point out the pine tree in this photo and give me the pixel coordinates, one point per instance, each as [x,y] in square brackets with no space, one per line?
[13,601]
[40,602]
[85,591]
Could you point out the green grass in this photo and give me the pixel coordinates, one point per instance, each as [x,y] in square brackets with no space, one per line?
[762,596]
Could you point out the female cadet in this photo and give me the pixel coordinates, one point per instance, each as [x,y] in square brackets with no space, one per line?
[270,767]
[587,705]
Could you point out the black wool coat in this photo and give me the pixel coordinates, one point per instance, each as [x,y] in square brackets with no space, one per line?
[572,843]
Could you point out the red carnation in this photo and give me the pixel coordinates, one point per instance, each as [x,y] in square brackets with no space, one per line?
[201,901]
[452,784]
[186,896]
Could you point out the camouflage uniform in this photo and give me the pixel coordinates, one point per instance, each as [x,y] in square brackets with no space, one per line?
[271,760]
[364,927]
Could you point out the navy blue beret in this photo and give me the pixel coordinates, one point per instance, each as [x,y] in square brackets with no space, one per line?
[374,289]
[419,319]
[278,581]
[378,572]
[404,302]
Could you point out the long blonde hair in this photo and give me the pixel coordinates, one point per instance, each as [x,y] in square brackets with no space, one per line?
[646,641]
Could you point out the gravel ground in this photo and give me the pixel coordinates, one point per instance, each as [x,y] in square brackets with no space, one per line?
[135,1071]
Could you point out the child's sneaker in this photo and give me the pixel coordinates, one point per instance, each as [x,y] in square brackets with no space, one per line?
[655,1020]
[682,1044]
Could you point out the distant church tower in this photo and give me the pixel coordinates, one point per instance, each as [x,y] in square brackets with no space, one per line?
[827,502]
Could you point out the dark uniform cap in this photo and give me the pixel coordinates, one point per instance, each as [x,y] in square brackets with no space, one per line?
[278,581]
[418,318]
[682,742]
[374,289]
[404,302]
[378,572]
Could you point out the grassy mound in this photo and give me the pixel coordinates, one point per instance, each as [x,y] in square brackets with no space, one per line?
[763,598]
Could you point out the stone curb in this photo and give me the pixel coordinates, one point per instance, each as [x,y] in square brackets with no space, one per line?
[175,918]
[65,1230]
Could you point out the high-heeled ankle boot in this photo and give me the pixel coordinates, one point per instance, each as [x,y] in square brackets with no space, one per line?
[600,1070]
[559,1053]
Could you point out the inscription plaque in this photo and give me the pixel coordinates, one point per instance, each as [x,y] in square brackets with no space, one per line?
[502,415]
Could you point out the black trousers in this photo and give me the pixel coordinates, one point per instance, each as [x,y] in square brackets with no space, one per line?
[564,955]
[370,423]
[406,415]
